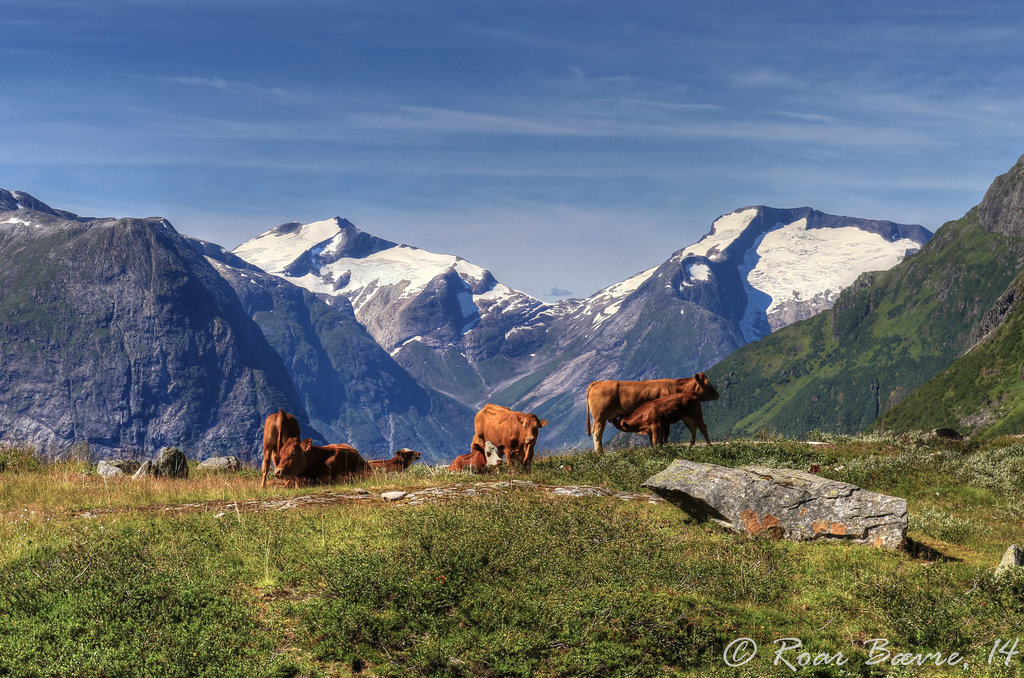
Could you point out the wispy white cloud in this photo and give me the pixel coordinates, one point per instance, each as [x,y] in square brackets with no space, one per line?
[808,117]
[767,77]
[671,105]
[431,119]
[234,87]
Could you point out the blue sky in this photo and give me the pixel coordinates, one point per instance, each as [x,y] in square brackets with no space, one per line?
[560,144]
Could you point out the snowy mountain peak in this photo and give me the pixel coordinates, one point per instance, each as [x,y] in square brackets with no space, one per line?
[767,267]
[724,231]
[381,278]
[793,263]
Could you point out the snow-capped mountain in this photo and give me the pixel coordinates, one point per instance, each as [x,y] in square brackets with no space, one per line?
[440,316]
[791,264]
[454,327]
[796,269]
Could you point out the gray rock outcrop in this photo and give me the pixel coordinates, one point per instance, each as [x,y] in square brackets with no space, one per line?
[231,463]
[171,463]
[783,503]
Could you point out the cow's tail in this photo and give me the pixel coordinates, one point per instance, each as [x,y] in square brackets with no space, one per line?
[588,407]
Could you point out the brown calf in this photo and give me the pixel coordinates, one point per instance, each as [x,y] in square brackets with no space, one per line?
[308,462]
[402,460]
[611,400]
[479,458]
[655,417]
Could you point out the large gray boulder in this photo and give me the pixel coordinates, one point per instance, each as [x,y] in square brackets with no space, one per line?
[783,503]
[171,463]
[112,468]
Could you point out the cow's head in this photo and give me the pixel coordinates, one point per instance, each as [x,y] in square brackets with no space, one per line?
[407,456]
[531,429]
[703,388]
[292,457]
[493,454]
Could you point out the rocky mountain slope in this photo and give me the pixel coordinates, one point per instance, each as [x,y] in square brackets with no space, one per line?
[455,328]
[116,332]
[982,392]
[121,334]
[887,335]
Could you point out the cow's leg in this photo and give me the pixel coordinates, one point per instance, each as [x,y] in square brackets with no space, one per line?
[662,430]
[693,432]
[266,467]
[704,431]
[598,433]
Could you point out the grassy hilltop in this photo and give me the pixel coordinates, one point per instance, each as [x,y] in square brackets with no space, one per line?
[160,578]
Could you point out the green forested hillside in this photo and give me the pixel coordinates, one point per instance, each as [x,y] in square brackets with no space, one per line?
[983,391]
[887,335]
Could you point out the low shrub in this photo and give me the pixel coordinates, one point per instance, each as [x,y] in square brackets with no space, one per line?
[18,459]
[1000,469]
[941,525]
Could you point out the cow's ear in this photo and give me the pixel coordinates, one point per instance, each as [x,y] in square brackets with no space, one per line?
[543,423]
[306,444]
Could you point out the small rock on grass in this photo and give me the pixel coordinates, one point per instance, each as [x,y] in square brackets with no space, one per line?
[1014,557]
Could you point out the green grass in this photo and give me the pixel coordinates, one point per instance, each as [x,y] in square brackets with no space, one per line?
[517,583]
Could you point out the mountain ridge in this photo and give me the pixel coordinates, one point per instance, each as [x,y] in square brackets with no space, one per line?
[443,337]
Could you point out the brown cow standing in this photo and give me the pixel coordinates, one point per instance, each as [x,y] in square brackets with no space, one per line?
[306,461]
[608,400]
[279,427]
[515,431]
[479,459]
[655,417]
[402,460]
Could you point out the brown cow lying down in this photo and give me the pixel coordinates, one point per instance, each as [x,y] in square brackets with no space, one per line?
[655,417]
[278,427]
[479,459]
[610,400]
[304,461]
[402,460]
[515,431]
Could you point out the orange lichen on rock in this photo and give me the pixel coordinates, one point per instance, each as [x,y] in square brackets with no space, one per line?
[769,525]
